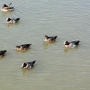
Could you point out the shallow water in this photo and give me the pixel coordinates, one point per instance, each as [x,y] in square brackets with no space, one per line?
[56,67]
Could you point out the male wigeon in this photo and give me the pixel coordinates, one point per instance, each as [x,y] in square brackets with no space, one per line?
[22,47]
[2,53]
[7,7]
[12,20]
[49,38]
[71,44]
[27,65]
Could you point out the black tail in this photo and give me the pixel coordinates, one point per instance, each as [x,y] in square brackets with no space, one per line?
[11,7]
[17,19]
[2,52]
[77,42]
[27,45]
[33,62]
[55,37]
[10,4]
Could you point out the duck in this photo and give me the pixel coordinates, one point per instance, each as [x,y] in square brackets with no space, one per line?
[12,20]
[22,47]
[49,38]
[71,44]
[2,53]
[7,7]
[27,65]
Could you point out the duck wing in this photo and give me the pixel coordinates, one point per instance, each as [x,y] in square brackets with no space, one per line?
[25,45]
[75,42]
[31,63]
[10,7]
[52,37]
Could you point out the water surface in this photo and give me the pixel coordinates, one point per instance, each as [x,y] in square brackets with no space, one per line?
[56,68]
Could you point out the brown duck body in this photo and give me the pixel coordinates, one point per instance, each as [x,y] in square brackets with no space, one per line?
[23,46]
[50,38]
[7,8]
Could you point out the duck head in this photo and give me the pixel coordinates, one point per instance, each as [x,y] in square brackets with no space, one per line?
[23,65]
[66,43]
[5,5]
[8,19]
[18,48]
[46,37]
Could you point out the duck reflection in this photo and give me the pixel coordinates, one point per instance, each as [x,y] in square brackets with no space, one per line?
[23,71]
[67,49]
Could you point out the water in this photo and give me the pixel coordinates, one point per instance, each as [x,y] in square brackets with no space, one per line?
[56,68]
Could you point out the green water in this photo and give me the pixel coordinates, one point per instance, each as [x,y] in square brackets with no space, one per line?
[56,68]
